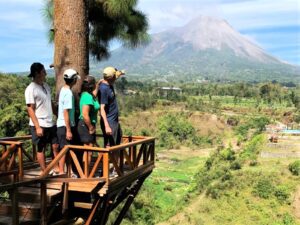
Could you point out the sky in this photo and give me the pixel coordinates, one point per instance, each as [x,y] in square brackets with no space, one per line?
[274,25]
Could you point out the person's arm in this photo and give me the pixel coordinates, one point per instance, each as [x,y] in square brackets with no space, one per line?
[69,135]
[108,130]
[86,118]
[31,114]
[95,91]
[54,108]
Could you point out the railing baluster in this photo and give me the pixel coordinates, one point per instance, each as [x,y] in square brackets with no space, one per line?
[20,158]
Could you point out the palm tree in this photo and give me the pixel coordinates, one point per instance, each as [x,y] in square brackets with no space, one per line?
[85,27]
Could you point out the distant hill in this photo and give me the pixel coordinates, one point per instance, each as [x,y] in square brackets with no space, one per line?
[205,48]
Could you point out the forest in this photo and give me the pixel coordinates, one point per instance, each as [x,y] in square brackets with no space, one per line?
[210,140]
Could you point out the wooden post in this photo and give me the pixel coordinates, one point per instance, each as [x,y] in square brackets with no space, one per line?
[106,167]
[20,158]
[65,205]
[86,163]
[43,204]
[130,200]
[15,204]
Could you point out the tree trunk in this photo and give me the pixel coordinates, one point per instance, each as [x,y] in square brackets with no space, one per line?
[70,40]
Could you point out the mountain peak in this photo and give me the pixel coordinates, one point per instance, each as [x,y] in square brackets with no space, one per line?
[209,46]
[206,32]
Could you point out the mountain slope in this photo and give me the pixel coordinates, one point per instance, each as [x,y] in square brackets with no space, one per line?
[204,48]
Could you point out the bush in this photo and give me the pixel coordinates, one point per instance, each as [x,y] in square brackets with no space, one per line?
[174,128]
[264,188]
[282,193]
[295,168]
[227,154]
[252,148]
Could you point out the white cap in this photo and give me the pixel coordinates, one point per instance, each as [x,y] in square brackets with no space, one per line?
[71,74]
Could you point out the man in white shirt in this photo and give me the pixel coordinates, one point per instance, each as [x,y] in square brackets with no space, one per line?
[40,112]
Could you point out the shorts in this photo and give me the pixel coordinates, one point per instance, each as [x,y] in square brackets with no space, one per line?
[49,137]
[84,135]
[116,137]
[61,135]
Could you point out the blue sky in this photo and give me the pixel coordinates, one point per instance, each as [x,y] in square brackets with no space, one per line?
[274,25]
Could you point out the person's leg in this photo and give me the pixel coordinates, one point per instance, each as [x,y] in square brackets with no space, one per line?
[54,145]
[41,160]
[40,144]
[61,136]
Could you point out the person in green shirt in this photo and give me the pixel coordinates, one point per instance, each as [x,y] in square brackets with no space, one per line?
[89,107]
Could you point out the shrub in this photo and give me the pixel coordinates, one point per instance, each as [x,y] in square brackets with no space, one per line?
[252,148]
[295,168]
[282,193]
[175,128]
[236,165]
[264,188]
[227,154]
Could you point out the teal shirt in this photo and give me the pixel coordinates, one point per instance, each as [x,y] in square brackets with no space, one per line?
[88,99]
[66,101]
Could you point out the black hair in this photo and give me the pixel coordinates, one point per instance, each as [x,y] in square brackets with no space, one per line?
[35,68]
[88,84]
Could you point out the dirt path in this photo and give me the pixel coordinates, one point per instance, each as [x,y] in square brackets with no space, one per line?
[183,217]
[296,203]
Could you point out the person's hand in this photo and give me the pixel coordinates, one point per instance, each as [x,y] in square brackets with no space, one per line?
[69,135]
[39,131]
[108,130]
[92,130]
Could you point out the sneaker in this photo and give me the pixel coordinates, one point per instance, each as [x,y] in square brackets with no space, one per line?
[73,175]
[53,172]
[113,174]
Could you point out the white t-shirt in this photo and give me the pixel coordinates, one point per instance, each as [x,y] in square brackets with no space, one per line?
[40,95]
[66,101]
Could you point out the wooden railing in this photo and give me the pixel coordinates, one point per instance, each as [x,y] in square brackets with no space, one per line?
[12,154]
[135,155]
[131,160]
[136,152]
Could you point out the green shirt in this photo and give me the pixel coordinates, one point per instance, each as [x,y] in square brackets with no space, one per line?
[88,99]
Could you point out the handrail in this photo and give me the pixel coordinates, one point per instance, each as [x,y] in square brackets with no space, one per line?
[20,138]
[122,158]
[129,156]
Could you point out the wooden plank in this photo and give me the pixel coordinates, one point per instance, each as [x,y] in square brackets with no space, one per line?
[96,164]
[55,161]
[15,207]
[43,204]
[141,150]
[11,162]
[117,183]
[92,214]
[83,205]
[77,164]
[129,201]
[27,155]
[25,137]
[126,145]
[5,155]
[128,160]
[117,168]
[86,163]
[20,162]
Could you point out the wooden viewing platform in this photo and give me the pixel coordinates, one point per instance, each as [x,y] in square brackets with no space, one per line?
[28,197]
